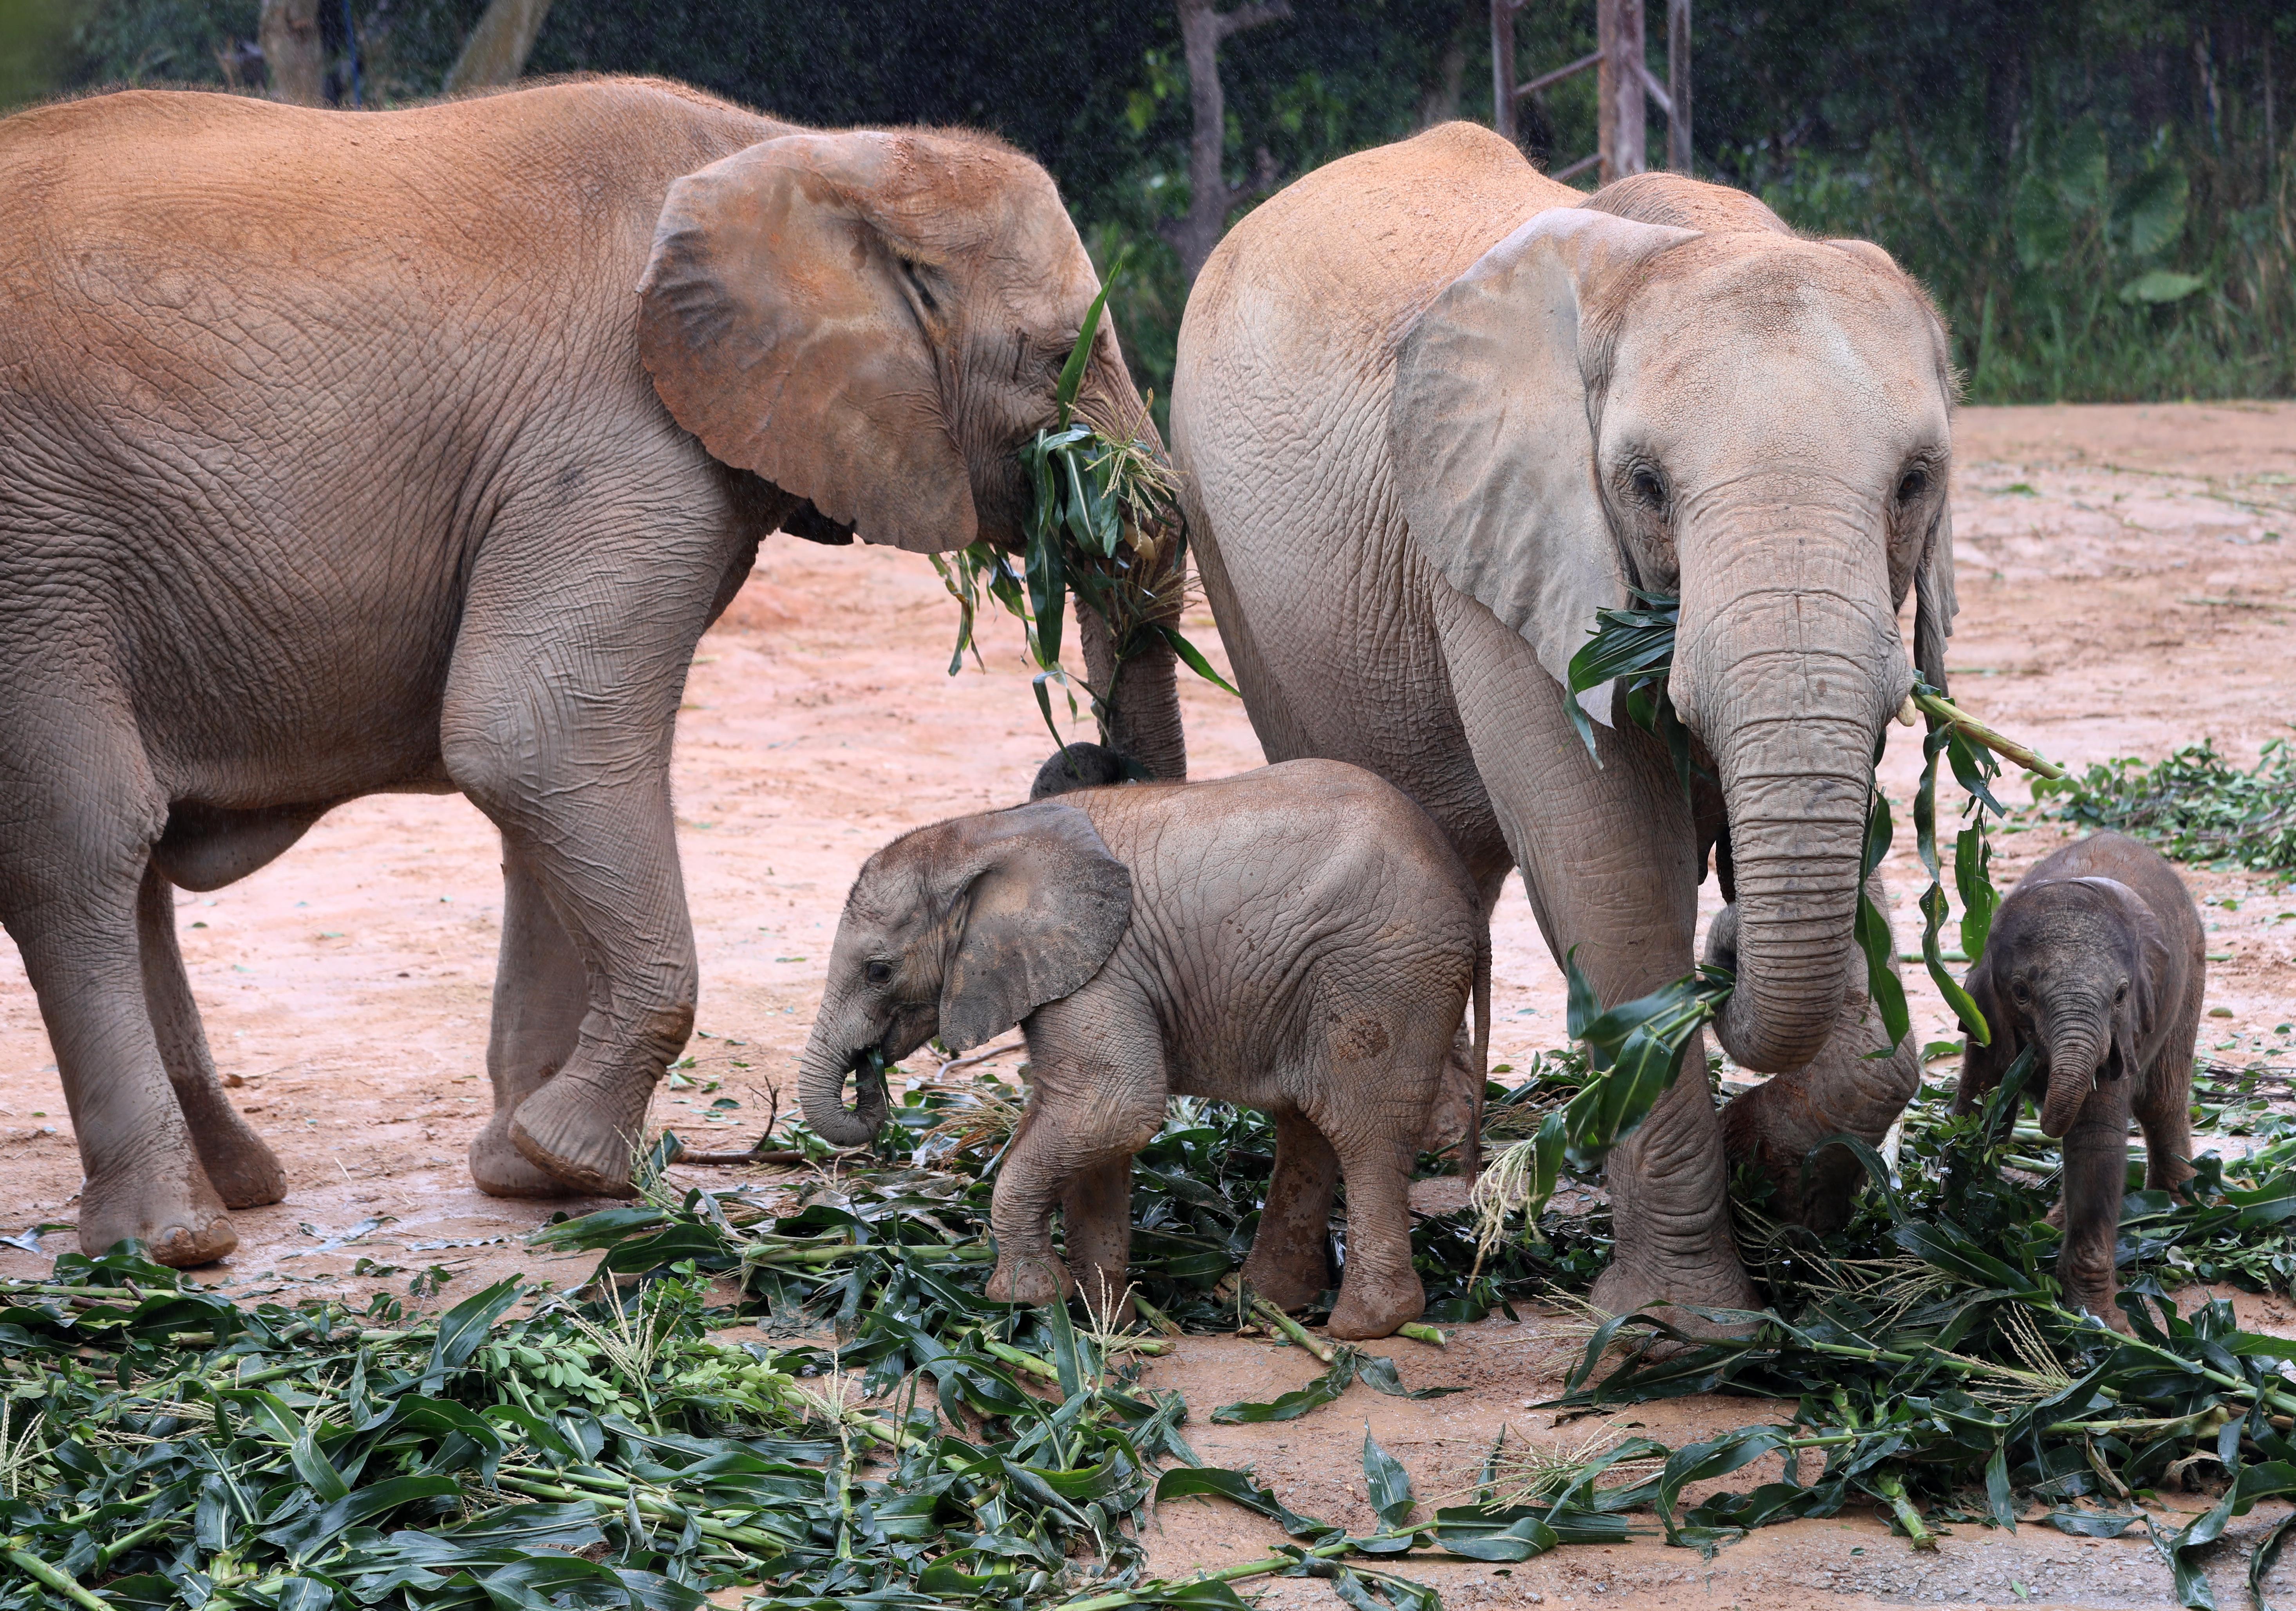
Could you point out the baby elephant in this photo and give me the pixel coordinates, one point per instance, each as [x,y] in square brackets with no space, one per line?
[1300,939]
[2095,960]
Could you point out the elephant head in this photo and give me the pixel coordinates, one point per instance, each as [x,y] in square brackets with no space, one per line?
[1757,423]
[875,321]
[961,930]
[2070,969]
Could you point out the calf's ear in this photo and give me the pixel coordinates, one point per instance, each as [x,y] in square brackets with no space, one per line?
[1040,904]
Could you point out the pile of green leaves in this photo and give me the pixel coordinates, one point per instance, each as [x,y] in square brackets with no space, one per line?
[1104,522]
[2194,805]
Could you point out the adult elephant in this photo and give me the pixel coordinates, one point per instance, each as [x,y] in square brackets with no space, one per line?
[412,451]
[1432,411]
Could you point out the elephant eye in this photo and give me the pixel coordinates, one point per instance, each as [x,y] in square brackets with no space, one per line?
[2121,994]
[878,973]
[2020,990]
[1913,483]
[915,276]
[1649,486]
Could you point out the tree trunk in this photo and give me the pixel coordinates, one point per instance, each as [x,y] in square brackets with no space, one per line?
[288,30]
[495,52]
[1210,197]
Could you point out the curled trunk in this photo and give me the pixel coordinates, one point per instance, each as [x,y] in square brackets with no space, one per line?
[821,1093]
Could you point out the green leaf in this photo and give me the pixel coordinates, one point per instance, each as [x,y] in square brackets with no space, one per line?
[1193,659]
[1184,1481]
[462,1328]
[1389,1483]
[2152,207]
[1510,1535]
[2160,285]
[1291,1406]
[1073,372]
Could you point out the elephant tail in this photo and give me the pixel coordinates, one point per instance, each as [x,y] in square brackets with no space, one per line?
[1471,1150]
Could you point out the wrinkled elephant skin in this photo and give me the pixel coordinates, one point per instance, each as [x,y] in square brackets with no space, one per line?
[2097,963]
[1300,939]
[1431,412]
[343,452]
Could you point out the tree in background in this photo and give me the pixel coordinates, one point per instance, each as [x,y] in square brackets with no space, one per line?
[1203,26]
[287,33]
[2099,197]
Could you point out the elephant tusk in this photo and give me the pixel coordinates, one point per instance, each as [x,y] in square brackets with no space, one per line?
[1908,712]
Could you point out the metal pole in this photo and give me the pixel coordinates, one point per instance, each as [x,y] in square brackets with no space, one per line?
[1503,96]
[1677,85]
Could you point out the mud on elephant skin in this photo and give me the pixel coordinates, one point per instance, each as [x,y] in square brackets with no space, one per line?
[1300,939]
[2097,963]
[412,451]
[1431,411]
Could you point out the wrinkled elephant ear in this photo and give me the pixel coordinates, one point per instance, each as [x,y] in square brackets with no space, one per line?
[1489,431]
[772,319]
[1043,903]
[1934,604]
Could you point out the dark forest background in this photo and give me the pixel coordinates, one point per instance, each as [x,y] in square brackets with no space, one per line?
[2099,195]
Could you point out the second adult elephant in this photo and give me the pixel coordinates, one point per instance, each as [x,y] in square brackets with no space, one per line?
[343,452]
[1432,411]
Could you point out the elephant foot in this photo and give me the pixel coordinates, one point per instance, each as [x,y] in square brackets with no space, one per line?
[1289,1276]
[237,1163]
[1371,1308]
[2098,1301]
[498,1169]
[584,1133]
[1030,1278]
[1773,1127]
[1626,1288]
[174,1211]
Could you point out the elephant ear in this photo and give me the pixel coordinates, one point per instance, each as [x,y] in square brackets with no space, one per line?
[1934,604]
[1490,434]
[1982,1066]
[773,322]
[1043,903]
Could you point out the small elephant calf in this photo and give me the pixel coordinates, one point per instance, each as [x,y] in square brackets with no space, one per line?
[2097,960]
[1300,939]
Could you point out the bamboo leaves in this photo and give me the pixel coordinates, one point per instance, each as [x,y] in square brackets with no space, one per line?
[1103,523]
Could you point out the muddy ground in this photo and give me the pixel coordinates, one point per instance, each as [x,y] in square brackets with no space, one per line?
[2128,578]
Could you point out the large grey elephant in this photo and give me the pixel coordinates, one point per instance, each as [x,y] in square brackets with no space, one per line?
[412,451]
[1432,411]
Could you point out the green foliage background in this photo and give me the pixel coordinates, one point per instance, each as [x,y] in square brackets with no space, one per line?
[2098,195]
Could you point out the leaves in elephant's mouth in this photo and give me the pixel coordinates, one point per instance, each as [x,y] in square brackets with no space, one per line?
[1636,647]
[1104,522]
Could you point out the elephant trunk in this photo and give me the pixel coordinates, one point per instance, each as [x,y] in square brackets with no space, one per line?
[829,1058]
[2076,1051]
[1787,672]
[1138,679]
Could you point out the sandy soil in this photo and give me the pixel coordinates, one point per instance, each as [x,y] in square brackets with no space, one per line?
[2128,577]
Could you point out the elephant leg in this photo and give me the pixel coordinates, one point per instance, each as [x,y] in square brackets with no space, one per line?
[557,724]
[69,887]
[540,999]
[244,1171]
[1846,1090]
[1096,1096]
[1378,1290]
[1291,1262]
[1096,1218]
[2096,1174]
[1609,855]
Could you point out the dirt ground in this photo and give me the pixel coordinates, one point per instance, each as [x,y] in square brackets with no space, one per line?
[2128,577]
